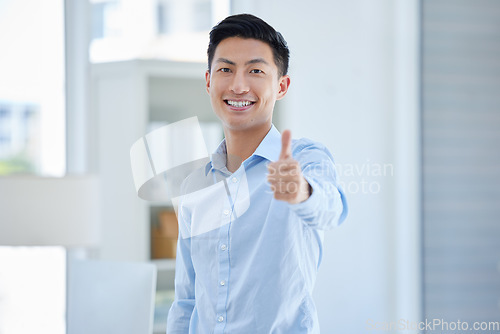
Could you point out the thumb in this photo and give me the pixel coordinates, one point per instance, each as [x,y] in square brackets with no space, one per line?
[286,145]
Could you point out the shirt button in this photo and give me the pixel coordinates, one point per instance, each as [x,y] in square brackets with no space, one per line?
[220,318]
[222,283]
[223,247]
[226,212]
[234,180]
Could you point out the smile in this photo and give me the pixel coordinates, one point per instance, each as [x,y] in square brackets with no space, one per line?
[239,104]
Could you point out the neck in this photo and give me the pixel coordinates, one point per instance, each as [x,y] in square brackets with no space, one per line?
[241,144]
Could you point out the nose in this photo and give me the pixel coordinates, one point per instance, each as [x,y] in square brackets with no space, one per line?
[239,84]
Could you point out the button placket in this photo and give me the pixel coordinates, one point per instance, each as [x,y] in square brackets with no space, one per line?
[223,261]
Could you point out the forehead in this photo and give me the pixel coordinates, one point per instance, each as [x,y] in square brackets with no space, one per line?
[239,49]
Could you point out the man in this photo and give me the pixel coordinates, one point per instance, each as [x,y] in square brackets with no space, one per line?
[250,246]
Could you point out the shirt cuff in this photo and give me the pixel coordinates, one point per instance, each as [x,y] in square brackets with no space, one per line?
[308,209]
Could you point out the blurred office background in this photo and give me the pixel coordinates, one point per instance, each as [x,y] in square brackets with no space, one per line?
[403,92]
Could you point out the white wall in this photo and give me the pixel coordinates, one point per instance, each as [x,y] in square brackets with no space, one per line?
[348,91]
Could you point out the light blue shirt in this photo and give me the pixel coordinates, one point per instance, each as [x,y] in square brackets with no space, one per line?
[247,263]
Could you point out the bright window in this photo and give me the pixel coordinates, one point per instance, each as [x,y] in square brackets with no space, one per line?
[32,140]
[32,103]
[32,290]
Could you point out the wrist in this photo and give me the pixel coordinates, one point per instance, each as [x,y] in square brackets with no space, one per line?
[306,191]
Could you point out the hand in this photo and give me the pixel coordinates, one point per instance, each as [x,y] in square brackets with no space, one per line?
[285,176]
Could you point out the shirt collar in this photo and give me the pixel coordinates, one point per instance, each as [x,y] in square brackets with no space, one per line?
[269,148]
[218,158]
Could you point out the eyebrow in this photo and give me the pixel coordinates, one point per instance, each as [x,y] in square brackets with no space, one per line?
[253,61]
[256,61]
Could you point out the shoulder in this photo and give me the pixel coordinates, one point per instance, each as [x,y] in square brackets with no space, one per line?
[305,147]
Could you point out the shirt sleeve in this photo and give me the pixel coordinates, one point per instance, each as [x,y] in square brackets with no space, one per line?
[179,315]
[327,205]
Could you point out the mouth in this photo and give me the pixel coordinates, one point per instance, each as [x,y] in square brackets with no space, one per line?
[239,104]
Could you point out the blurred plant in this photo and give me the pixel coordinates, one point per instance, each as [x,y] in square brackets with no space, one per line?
[17,164]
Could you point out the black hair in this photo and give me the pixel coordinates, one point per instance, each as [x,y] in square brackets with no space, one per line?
[250,26]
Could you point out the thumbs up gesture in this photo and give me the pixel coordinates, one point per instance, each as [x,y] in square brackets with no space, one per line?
[285,176]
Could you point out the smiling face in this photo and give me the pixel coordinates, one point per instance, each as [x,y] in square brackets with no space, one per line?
[244,85]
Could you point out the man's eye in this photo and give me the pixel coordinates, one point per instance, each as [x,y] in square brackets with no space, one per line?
[224,69]
[256,71]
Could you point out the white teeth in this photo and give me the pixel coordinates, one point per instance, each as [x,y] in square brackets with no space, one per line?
[238,104]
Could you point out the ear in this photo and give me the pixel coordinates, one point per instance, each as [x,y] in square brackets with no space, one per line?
[207,80]
[284,83]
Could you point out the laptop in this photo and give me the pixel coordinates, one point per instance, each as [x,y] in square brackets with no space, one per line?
[110,297]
